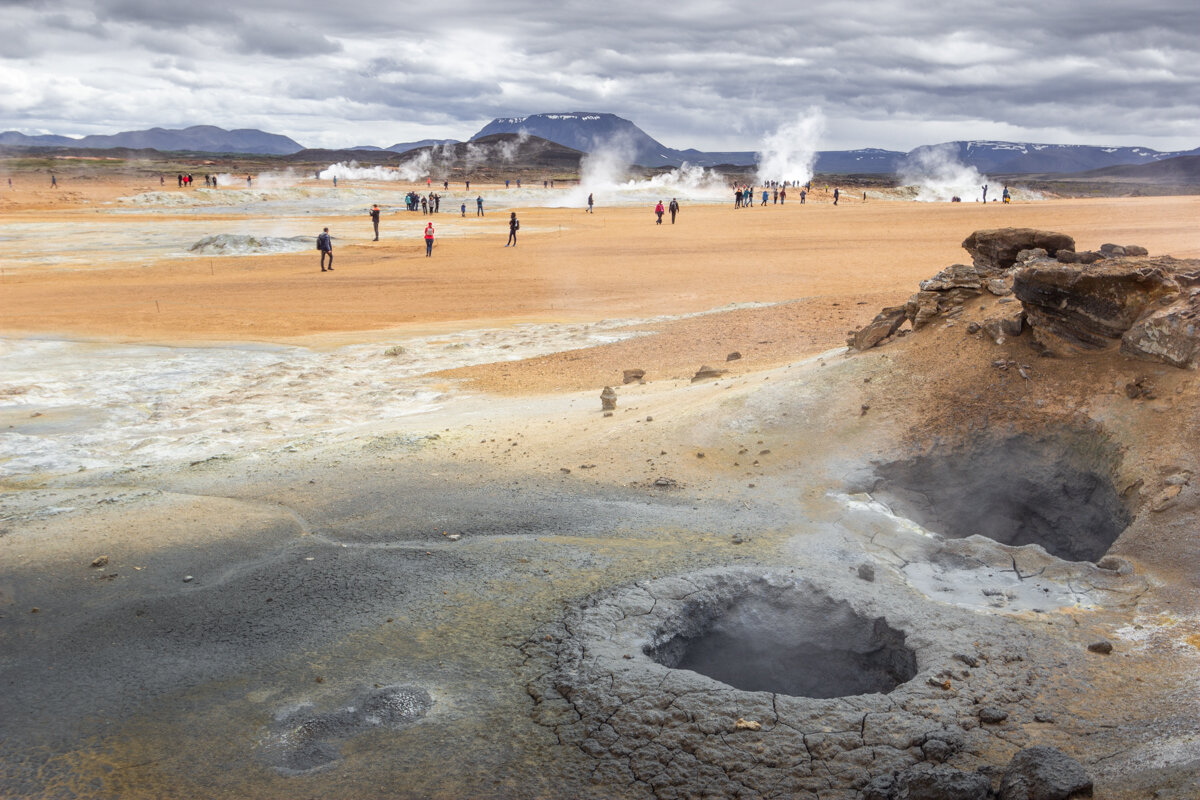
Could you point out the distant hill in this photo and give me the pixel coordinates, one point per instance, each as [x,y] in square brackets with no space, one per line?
[198,138]
[1181,170]
[586,132]
[404,147]
[1017,158]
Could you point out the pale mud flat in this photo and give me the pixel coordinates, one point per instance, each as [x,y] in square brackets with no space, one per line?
[299,526]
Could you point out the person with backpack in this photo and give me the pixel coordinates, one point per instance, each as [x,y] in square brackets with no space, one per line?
[658,212]
[514,225]
[673,207]
[429,240]
[325,245]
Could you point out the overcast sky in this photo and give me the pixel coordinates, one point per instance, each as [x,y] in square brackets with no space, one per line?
[708,74]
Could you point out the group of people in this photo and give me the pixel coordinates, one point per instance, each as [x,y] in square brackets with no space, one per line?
[325,239]
[429,204]
[672,208]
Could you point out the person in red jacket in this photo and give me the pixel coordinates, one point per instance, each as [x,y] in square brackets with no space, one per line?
[658,212]
[429,240]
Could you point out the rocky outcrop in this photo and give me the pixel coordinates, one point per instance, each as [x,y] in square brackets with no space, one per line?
[994,251]
[1146,306]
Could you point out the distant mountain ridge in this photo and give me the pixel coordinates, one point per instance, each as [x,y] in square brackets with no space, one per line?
[587,132]
[198,138]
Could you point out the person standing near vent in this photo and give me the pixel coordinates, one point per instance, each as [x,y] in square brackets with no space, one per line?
[479,206]
[325,245]
[375,220]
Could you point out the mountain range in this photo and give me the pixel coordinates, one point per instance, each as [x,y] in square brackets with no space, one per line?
[589,131]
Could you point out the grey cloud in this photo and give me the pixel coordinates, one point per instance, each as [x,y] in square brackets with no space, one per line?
[285,42]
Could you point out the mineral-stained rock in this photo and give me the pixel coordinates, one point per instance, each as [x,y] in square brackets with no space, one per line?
[1103,647]
[994,251]
[924,306]
[633,375]
[608,399]
[884,325]
[1071,308]
[1044,773]
[1170,334]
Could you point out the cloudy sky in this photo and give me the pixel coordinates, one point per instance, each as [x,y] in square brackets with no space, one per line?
[706,74]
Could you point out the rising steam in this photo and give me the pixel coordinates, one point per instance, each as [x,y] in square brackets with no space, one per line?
[790,152]
[937,174]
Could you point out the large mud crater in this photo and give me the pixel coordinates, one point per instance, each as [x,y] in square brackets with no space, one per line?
[786,639]
[1056,492]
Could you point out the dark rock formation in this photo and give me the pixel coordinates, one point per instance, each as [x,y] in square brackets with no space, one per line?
[633,375]
[1044,773]
[705,372]
[1146,305]
[996,250]
[608,399]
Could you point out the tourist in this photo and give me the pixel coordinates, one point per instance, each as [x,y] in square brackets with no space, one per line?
[325,245]
[429,240]
[658,212]
[836,193]
[514,225]
[590,202]
[479,206]
[674,209]
[374,213]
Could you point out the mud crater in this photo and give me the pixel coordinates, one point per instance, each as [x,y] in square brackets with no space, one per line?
[1056,492]
[789,639]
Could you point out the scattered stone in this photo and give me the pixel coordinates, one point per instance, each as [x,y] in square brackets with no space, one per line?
[1003,328]
[734,356]
[608,399]
[1115,564]
[706,372]
[1140,388]
[608,413]
[1082,257]
[700,455]
[666,483]
[454,537]
[100,561]
[969,660]
[1045,717]
[863,410]
[866,572]
[633,376]
[974,327]
[747,725]
[188,579]
[565,470]
[1044,773]
[394,350]
[1103,647]
[992,715]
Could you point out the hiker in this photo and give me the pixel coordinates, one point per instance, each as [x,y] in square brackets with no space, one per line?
[374,214]
[836,193]
[658,212]
[325,245]
[590,202]
[429,240]
[479,206]
[514,225]
[674,209]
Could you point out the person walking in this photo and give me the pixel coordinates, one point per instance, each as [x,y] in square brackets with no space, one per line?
[325,245]
[590,202]
[429,240]
[658,212]
[673,207]
[479,206]
[514,225]
[374,212]
[836,194]
[782,195]
[766,194]
[464,209]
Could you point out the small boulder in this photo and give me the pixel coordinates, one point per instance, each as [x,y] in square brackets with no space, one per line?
[1044,773]
[705,372]
[608,399]
[633,375]
[992,715]
[734,356]
[886,322]
[1103,647]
